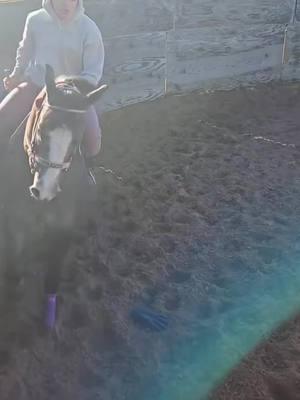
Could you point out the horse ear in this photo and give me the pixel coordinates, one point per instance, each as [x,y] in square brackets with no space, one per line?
[49,78]
[95,94]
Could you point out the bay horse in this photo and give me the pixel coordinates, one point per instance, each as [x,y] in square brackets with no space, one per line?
[45,197]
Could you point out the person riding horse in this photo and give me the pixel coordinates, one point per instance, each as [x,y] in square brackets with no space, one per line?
[54,130]
[62,35]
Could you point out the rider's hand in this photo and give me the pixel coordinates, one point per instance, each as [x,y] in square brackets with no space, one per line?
[10,82]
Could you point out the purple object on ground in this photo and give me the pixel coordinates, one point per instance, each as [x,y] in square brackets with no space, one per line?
[51,310]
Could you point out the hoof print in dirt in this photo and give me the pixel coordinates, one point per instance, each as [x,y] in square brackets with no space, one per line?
[172,301]
[78,317]
[4,358]
[149,320]
[90,378]
[179,276]
[95,293]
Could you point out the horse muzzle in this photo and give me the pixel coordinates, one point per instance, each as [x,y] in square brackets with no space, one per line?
[42,192]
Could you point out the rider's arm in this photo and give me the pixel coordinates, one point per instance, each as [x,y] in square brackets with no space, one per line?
[93,55]
[25,49]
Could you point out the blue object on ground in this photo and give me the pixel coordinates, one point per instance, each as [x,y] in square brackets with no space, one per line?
[149,319]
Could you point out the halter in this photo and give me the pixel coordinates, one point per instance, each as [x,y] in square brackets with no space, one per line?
[35,160]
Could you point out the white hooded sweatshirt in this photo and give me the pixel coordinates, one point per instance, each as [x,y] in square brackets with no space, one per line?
[73,48]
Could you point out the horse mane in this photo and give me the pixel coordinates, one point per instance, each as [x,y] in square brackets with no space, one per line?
[82,84]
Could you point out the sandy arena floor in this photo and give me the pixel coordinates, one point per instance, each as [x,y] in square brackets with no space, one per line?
[206,177]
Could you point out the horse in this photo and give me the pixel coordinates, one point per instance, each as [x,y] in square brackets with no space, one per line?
[46,199]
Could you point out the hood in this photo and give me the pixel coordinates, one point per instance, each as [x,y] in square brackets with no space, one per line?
[47,5]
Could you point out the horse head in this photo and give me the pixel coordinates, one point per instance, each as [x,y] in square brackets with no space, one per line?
[55,130]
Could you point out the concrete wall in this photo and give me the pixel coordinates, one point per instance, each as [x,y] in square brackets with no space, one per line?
[155,47]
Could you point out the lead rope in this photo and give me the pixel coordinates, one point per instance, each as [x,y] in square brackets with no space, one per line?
[109,171]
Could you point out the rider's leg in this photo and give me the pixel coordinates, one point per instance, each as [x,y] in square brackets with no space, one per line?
[14,108]
[91,143]
[92,137]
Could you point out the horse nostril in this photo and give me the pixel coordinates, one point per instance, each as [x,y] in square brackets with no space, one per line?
[35,192]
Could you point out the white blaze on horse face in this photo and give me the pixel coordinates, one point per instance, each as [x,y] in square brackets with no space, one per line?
[59,142]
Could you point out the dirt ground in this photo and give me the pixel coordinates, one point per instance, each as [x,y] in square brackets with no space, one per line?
[204,174]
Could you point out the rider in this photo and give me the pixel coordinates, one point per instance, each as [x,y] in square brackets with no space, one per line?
[62,35]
